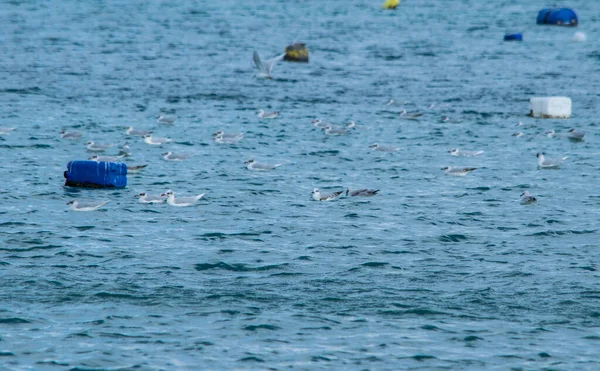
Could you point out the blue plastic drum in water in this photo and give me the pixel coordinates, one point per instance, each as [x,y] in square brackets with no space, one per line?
[557,16]
[513,37]
[96,174]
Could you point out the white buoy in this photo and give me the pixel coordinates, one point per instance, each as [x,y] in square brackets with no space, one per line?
[579,37]
[550,107]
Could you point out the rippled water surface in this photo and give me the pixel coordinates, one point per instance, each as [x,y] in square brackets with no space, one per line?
[435,272]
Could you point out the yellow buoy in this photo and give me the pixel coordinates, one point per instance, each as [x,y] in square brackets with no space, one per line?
[296,52]
[390,4]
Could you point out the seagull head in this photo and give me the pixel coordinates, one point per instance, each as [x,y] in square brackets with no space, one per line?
[453,150]
[539,155]
[167,193]
[374,145]
[140,194]
[251,161]
[71,202]
[446,168]
[218,133]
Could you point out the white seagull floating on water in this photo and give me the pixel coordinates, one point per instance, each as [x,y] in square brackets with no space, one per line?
[134,169]
[181,201]
[459,152]
[69,134]
[155,141]
[146,198]
[458,171]
[382,148]
[136,133]
[106,158]
[221,137]
[317,196]
[410,115]
[170,156]
[576,136]
[267,115]
[362,192]
[97,147]
[77,205]
[547,163]
[527,199]
[258,166]
[265,67]
[166,120]
[5,130]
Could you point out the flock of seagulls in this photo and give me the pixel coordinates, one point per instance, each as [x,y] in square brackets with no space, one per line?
[264,70]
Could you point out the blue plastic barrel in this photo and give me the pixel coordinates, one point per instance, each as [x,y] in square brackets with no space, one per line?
[96,174]
[513,37]
[557,16]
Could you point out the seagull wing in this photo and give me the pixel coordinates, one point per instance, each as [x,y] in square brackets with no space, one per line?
[258,63]
[268,65]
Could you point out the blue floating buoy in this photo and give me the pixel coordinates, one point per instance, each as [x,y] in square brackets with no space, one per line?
[96,174]
[558,16]
[513,37]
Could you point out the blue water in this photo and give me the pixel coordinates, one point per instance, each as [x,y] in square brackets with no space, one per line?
[435,272]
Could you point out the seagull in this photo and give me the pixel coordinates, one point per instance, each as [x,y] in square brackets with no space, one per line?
[125,150]
[576,136]
[258,166]
[69,134]
[105,158]
[155,141]
[167,120]
[449,120]
[136,133]
[265,68]
[170,156]
[317,196]
[331,130]
[146,198]
[520,123]
[267,115]
[393,102]
[97,147]
[411,115]
[527,199]
[5,130]
[181,201]
[549,163]
[362,192]
[458,171]
[221,137]
[77,205]
[135,168]
[320,124]
[458,152]
[381,148]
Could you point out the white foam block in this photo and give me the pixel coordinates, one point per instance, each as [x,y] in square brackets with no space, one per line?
[550,107]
